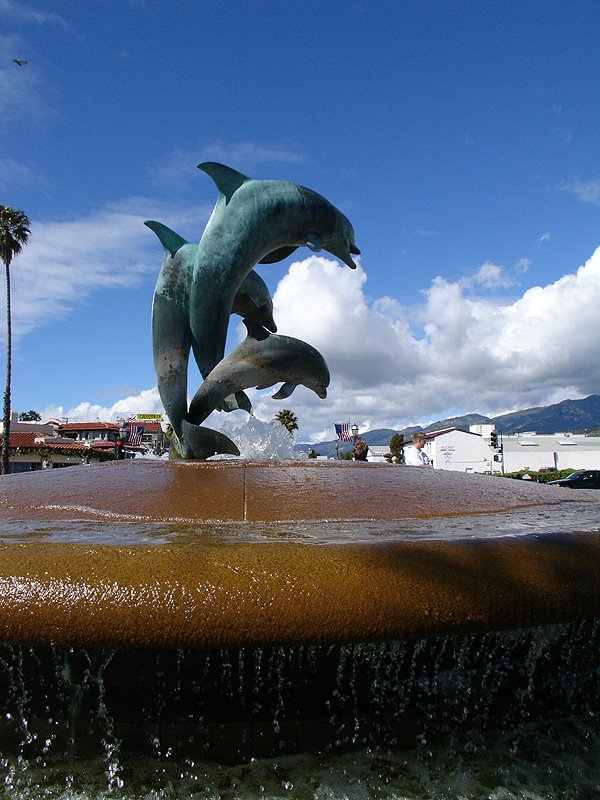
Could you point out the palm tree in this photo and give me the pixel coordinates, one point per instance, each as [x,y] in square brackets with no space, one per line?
[14,233]
[288,419]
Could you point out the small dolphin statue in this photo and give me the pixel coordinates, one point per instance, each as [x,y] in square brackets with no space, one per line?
[253,221]
[171,334]
[261,360]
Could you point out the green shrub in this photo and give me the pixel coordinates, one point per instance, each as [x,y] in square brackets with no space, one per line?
[540,477]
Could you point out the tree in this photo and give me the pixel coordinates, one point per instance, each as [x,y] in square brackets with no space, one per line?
[30,416]
[397,447]
[288,419]
[14,233]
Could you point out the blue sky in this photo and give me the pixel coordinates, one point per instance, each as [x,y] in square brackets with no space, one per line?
[460,138]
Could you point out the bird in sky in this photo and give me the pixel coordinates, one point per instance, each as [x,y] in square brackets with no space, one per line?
[20,61]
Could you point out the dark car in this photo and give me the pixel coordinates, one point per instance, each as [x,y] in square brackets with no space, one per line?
[582,479]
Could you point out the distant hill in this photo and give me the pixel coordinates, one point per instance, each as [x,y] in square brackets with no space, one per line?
[459,422]
[569,415]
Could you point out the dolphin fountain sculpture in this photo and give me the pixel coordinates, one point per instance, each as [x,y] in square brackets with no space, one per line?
[200,286]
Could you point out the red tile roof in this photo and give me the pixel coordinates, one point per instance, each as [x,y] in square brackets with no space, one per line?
[30,440]
[90,426]
[149,427]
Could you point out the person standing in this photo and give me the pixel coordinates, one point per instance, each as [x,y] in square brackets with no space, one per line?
[415,456]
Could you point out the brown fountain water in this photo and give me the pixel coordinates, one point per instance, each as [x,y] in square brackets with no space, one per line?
[161,616]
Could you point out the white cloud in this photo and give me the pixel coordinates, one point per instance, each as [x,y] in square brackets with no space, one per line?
[23,13]
[491,276]
[65,263]
[21,92]
[16,174]
[147,402]
[472,355]
[178,165]
[584,191]
[455,353]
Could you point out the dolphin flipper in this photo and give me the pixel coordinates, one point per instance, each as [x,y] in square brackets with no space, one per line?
[201,443]
[227,180]
[170,240]
[314,242]
[285,391]
[236,402]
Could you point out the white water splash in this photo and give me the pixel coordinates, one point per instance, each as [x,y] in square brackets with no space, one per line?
[262,441]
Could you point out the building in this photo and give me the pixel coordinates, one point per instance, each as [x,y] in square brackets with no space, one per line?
[31,450]
[535,451]
[460,450]
[106,434]
[36,445]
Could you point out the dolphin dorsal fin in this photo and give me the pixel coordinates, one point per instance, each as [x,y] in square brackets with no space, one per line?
[228,180]
[170,240]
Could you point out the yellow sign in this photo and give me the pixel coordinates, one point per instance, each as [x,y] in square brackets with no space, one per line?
[148,416]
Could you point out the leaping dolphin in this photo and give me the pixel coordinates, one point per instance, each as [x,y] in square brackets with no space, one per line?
[171,332]
[253,221]
[261,360]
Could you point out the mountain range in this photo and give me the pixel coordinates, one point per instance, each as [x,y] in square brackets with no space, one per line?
[569,415]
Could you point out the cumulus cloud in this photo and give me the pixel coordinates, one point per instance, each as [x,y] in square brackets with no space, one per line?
[146,402]
[471,353]
[457,351]
[491,276]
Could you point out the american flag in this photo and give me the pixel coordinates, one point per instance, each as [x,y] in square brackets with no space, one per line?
[135,435]
[343,431]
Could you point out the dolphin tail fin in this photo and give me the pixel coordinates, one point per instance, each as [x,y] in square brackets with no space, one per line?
[227,180]
[197,442]
[170,240]
[284,391]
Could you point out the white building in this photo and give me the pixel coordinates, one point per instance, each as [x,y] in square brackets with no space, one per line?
[455,449]
[535,451]
[473,451]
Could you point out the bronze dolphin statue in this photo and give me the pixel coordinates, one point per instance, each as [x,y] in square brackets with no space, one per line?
[261,360]
[253,221]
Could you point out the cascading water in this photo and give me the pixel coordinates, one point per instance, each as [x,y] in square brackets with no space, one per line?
[298,630]
[498,715]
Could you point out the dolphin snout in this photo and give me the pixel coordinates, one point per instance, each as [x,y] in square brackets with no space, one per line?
[322,393]
[354,250]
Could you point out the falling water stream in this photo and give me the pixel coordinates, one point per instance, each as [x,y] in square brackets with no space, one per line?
[499,715]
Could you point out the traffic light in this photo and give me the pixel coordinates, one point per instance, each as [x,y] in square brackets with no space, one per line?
[119,449]
[494,439]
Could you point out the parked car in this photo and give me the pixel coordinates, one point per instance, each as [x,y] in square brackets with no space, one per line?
[582,479]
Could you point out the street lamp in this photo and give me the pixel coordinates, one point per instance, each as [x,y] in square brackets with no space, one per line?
[354,430]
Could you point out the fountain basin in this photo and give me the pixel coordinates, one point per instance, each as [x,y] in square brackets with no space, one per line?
[187,576]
